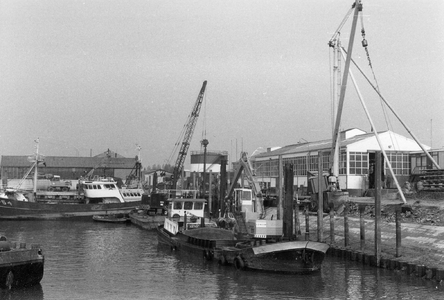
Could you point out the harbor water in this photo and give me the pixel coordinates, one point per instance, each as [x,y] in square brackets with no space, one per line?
[90,260]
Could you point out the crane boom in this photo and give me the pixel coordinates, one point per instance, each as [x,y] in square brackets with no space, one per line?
[190,125]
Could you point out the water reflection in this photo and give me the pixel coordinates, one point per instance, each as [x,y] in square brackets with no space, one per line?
[27,293]
[87,260]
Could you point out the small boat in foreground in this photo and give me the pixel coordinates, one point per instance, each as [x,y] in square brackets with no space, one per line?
[113,218]
[20,266]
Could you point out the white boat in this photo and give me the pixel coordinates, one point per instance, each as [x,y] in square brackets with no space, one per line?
[101,189]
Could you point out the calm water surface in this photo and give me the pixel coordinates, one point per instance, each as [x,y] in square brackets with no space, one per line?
[88,260]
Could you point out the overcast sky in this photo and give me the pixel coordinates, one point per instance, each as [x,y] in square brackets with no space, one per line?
[85,76]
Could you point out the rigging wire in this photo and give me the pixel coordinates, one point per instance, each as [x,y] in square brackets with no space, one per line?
[204,120]
[365,45]
[179,140]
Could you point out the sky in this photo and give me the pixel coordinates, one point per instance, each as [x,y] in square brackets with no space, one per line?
[87,76]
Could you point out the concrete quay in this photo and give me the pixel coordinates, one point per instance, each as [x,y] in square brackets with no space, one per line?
[421,252]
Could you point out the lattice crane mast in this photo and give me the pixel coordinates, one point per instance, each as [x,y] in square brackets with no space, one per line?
[190,125]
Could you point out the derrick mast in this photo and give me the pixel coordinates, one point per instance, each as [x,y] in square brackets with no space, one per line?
[190,125]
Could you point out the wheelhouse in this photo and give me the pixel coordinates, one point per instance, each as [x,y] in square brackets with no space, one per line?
[178,207]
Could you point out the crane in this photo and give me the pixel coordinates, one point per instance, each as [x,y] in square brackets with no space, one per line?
[190,125]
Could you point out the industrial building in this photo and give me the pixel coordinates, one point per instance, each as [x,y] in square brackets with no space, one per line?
[108,164]
[357,153]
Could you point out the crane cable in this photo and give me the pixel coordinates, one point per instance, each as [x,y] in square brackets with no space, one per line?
[204,121]
[179,140]
[365,45]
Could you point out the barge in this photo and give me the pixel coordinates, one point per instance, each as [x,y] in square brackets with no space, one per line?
[21,266]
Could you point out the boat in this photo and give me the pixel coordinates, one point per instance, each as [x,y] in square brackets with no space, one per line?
[20,266]
[186,229]
[154,207]
[111,218]
[99,196]
[288,257]
[100,189]
[192,233]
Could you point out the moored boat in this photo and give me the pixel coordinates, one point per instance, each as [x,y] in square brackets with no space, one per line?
[186,229]
[111,218]
[20,266]
[105,189]
[291,257]
[21,210]
[154,207]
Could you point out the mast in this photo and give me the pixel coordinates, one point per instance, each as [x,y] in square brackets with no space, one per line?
[357,9]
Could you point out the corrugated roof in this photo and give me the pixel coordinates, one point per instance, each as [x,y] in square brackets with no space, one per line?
[70,161]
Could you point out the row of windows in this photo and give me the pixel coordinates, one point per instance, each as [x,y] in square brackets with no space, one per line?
[358,164]
[131,194]
[188,205]
[98,187]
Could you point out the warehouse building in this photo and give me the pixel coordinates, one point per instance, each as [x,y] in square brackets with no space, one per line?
[107,164]
[357,154]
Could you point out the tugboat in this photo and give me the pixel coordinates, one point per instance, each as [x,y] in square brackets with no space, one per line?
[20,266]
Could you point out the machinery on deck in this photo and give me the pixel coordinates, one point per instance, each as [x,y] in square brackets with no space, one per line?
[248,205]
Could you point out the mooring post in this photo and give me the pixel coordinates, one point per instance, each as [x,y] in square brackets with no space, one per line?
[346,225]
[362,225]
[398,230]
[332,227]
[320,199]
[378,172]
[297,230]
[307,224]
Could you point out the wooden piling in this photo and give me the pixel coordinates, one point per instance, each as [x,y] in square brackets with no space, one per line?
[378,180]
[332,227]
[362,225]
[288,202]
[307,224]
[398,230]
[346,225]
[320,228]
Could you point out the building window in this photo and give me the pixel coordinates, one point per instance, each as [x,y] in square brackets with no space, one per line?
[313,163]
[358,163]
[300,166]
[343,163]
[400,162]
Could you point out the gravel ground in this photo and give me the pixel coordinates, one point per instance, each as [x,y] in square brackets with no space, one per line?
[425,208]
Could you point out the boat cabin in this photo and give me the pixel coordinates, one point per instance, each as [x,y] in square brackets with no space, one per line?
[177,207]
[244,200]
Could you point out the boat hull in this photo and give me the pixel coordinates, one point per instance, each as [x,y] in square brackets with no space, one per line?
[197,242]
[21,267]
[145,220]
[21,210]
[292,257]
[118,218]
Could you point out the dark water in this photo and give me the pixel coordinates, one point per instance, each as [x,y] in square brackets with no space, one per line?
[87,260]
